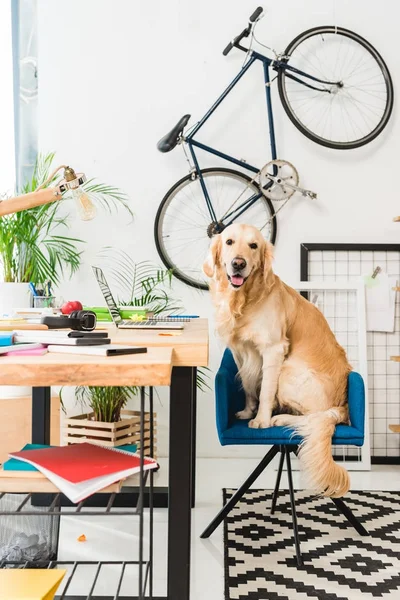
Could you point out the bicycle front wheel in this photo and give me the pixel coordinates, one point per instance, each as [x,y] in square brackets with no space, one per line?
[351,110]
[183,225]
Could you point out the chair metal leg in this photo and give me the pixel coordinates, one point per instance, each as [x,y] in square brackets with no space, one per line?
[352,519]
[278,481]
[240,492]
[293,507]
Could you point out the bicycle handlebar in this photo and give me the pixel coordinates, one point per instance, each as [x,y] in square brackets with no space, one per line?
[246,32]
[256,14]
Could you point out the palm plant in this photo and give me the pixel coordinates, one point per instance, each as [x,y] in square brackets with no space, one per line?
[107,402]
[34,244]
[141,283]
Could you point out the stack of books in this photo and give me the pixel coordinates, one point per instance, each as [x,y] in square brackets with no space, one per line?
[78,471]
[63,341]
[34,315]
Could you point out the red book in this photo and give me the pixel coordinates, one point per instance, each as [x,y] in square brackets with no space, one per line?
[80,470]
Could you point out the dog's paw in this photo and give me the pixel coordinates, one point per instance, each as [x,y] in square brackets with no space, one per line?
[247,413]
[278,421]
[259,423]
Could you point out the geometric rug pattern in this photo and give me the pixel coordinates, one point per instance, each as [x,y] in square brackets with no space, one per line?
[339,564]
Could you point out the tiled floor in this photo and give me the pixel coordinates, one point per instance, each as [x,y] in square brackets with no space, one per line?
[115,538]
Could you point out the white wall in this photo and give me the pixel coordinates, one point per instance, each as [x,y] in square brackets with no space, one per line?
[116,75]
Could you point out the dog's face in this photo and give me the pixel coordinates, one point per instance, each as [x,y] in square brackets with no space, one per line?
[238,253]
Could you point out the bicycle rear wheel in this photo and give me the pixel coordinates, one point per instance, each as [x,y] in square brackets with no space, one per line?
[183,226]
[344,116]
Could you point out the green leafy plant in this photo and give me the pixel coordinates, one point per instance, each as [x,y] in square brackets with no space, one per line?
[34,244]
[105,402]
[141,283]
[203,378]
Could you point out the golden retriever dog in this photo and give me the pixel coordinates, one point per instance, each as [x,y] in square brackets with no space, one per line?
[288,358]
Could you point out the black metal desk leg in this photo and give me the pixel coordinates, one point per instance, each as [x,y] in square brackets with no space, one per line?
[180,488]
[194,425]
[41,415]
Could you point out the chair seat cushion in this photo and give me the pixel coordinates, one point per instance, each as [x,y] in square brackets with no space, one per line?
[240,433]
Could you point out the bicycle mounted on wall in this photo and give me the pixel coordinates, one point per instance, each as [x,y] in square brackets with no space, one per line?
[335,88]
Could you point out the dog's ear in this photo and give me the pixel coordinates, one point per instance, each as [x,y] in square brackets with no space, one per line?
[267,259]
[213,257]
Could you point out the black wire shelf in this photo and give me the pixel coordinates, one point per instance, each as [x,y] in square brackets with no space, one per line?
[138,584]
[75,569]
[54,504]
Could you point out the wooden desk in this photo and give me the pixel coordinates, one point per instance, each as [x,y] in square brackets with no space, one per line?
[190,347]
[187,351]
[148,369]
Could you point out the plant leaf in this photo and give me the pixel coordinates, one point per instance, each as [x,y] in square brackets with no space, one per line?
[34,244]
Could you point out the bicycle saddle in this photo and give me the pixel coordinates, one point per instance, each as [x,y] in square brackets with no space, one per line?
[169,141]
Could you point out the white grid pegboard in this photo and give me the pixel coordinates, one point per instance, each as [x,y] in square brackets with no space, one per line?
[346,262]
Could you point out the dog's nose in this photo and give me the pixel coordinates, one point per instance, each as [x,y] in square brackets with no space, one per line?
[238,263]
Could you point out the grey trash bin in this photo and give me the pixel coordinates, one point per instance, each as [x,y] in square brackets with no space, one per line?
[27,538]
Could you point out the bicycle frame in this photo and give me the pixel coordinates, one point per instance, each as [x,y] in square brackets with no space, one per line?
[192,143]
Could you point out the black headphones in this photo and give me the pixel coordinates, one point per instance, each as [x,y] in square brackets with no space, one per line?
[78,320]
[82,320]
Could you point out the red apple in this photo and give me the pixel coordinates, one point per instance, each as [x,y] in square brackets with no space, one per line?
[68,307]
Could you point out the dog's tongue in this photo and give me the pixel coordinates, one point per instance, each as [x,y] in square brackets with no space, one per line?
[237,279]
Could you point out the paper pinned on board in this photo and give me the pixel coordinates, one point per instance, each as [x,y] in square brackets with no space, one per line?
[380,302]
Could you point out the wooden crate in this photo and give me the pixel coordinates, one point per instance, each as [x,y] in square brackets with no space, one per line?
[83,428]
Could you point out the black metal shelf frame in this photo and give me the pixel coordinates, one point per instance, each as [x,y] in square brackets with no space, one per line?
[145,566]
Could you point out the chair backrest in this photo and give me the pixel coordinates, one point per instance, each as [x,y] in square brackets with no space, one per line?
[356,400]
[230,397]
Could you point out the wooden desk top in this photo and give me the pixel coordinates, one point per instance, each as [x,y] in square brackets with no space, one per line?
[190,347]
[152,368]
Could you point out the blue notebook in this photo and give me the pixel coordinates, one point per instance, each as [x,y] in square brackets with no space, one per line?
[13,464]
[6,339]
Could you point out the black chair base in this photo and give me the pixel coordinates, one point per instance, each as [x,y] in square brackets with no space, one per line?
[238,495]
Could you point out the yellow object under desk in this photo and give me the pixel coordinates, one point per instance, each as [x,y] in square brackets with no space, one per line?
[29,584]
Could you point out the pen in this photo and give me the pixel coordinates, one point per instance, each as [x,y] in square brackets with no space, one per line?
[33,289]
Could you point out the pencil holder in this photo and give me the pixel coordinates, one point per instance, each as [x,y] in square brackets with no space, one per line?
[44,301]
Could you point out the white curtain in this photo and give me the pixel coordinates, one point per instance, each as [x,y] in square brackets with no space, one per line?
[25,69]
[7,150]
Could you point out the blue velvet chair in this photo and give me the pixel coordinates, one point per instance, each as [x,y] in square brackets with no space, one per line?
[230,399]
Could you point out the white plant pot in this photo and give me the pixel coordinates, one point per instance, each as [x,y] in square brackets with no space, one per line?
[14,295]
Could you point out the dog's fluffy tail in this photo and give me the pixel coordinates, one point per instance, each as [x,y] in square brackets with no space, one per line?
[325,476]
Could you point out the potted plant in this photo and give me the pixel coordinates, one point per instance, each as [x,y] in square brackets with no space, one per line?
[106,420]
[35,245]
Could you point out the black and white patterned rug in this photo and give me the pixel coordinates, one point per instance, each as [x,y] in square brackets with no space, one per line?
[339,564]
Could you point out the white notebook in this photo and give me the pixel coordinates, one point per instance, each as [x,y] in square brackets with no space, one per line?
[57,337]
[102,350]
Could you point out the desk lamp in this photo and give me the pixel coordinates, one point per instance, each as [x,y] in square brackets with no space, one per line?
[71,182]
